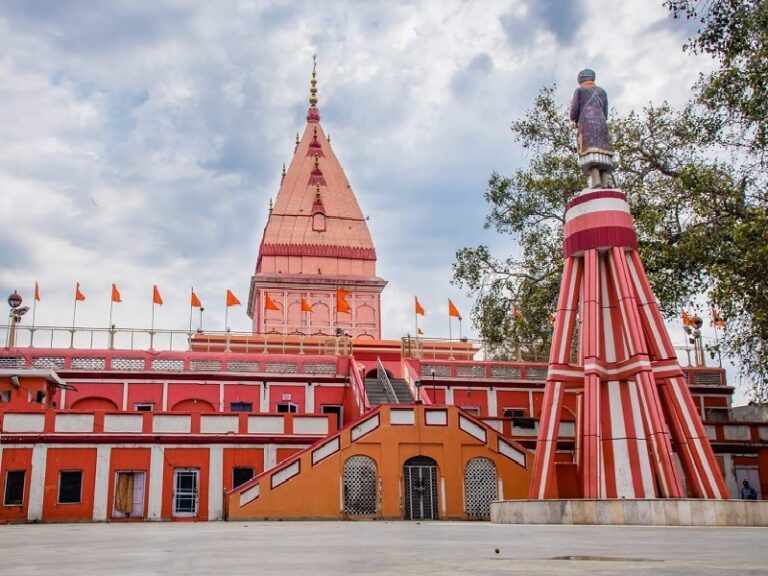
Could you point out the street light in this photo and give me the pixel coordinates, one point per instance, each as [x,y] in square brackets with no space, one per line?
[434,394]
[14,317]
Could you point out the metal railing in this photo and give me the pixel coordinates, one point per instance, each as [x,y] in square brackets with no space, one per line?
[158,340]
[381,373]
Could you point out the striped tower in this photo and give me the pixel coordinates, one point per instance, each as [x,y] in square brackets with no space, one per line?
[636,411]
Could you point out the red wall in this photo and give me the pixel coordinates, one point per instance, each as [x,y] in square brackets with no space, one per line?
[112,391]
[242,393]
[128,460]
[511,399]
[477,397]
[181,392]
[59,459]
[186,458]
[242,457]
[276,392]
[16,459]
[145,393]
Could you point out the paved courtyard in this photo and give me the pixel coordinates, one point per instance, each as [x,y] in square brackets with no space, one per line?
[373,548]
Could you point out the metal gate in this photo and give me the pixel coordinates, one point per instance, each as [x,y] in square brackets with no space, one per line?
[360,486]
[480,487]
[420,488]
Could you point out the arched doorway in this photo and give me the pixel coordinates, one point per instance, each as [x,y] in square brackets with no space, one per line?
[420,488]
[360,486]
[480,487]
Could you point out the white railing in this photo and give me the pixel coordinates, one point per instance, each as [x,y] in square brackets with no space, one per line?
[142,339]
[384,379]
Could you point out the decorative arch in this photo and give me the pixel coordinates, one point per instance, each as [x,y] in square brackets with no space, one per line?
[94,403]
[365,315]
[420,488]
[360,486]
[481,487]
[193,405]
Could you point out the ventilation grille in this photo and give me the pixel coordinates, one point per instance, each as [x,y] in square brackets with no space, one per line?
[55,362]
[241,366]
[205,365]
[89,363]
[127,363]
[162,365]
[505,372]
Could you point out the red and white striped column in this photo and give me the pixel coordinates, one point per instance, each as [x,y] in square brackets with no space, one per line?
[635,404]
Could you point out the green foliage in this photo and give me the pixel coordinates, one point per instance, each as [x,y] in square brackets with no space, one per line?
[699,228]
[734,32]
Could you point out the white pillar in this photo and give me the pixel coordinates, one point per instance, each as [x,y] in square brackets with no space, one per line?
[216,483]
[155,508]
[165,396]
[270,456]
[309,399]
[221,396]
[125,396]
[37,482]
[101,482]
[264,402]
[449,396]
[492,409]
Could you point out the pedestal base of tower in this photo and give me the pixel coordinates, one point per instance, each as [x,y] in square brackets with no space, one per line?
[638,432]
[655,512]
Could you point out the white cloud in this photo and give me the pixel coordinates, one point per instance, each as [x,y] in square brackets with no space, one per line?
[141,143]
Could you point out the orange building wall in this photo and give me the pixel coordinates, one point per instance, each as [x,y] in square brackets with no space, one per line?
[186,458]
[128,460]
[316,491]
[15,459]
[62,459]
[242,457]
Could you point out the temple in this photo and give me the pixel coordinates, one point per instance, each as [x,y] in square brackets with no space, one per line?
[316,241]
[313,415]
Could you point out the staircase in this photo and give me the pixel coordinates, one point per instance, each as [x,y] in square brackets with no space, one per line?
[377,393]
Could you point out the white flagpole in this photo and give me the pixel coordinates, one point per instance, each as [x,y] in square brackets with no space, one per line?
[111,305]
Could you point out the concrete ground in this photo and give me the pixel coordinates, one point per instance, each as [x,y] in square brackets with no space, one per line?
[373,548]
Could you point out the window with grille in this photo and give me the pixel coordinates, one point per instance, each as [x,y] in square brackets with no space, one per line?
[14,488]
[144,407]
[513,413]
[241,475]
[185,491]
[70,486]
[287,407]
[360,486]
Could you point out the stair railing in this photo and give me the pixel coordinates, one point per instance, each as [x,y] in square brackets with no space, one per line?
[381,374]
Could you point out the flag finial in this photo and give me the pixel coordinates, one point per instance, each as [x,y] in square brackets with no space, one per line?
[313,83]
[283,176]
[270,205]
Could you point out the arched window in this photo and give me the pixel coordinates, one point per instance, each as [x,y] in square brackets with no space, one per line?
[481,487]
[360,493]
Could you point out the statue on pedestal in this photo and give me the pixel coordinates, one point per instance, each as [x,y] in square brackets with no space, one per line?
[589,110]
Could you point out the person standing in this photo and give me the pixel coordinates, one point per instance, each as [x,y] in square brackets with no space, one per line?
[747,492]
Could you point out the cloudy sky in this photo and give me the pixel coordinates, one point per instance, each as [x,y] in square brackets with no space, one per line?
[140,142]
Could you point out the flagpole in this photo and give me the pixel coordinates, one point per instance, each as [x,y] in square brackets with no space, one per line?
[192,291]
[74,315]
[459,327]
[34,309]
[226,315]
[450,335]
[111,305]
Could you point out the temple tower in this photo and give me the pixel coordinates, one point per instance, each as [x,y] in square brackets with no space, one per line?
[315,244]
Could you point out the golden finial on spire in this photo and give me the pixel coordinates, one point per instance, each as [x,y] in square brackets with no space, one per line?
[270,205]
[283,178]
[313,83]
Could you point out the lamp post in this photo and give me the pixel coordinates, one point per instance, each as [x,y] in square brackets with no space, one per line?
[14,317]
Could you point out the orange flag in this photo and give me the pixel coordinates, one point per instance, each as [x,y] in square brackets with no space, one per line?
[37,292]
[305,307]
[452,310]
[717,320]
[194,301]
[686,319]
[341,301]
[417,305]
[79,296]
[269,304]
[115,294]
[156,298]
[232,299]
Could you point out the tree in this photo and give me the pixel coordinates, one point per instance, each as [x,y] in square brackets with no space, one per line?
[693,215]
[735,33]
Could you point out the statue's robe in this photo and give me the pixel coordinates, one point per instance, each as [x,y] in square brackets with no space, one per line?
[589,110]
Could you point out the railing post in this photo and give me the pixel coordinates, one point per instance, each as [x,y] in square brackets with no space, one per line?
[226,341]
[112,337]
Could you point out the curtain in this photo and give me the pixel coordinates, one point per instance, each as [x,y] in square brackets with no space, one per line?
[124,493]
